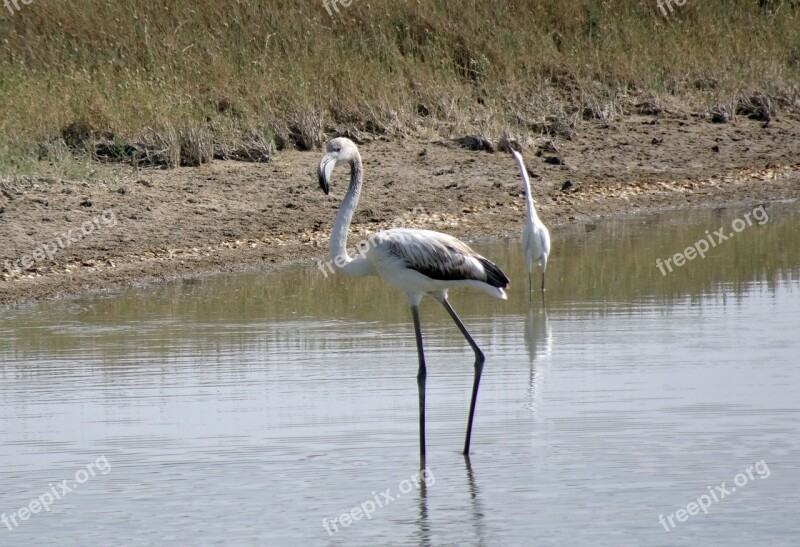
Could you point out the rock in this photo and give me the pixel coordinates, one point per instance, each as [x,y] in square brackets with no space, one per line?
[554,160]
[476,143]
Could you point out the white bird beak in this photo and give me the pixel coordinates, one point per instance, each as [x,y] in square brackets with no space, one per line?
[325,169]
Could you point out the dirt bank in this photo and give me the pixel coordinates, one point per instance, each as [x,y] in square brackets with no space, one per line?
[230,216]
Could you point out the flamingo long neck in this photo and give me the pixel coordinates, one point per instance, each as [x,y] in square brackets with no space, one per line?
[345,215]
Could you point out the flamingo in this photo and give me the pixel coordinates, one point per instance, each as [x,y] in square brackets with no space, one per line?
[417,262]
[535,237]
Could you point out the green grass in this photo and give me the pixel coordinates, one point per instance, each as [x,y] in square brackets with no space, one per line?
[183,80]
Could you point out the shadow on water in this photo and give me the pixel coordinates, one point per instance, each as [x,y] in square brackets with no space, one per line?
[424,525]
[477,506]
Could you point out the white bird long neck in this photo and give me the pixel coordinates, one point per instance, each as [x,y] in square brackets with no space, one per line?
[345,215]
[526,183]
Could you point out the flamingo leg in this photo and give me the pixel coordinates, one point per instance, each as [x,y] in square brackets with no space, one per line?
[421,376]
[479,360]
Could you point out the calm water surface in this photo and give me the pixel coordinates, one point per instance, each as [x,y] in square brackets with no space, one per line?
[246,409]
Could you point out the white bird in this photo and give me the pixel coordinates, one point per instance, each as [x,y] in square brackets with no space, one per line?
[535,237]
[417,262]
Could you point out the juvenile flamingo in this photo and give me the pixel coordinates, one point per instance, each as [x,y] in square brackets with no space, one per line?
[417,262]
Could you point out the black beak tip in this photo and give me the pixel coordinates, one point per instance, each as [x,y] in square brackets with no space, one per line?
[323,183]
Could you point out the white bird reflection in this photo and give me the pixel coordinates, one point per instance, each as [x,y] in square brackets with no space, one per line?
[539,343]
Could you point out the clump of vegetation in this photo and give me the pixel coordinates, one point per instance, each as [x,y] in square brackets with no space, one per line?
[184,81]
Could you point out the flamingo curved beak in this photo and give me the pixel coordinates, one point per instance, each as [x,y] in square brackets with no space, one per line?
[324,171]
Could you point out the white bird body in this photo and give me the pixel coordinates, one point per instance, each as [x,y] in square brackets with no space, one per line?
[535,236]
[417,262]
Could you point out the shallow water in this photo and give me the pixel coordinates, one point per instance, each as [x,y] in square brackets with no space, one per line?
[245,409]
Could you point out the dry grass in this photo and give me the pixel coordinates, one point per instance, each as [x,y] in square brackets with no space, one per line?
[184,81]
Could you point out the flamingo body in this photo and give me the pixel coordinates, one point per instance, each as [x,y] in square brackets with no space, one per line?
[420,262]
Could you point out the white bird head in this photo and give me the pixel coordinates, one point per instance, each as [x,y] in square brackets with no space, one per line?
[339,150]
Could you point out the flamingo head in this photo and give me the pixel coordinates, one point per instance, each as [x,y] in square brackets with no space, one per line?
[339,150]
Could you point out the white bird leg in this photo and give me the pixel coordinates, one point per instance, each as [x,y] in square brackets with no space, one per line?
[479,360]
[422,374]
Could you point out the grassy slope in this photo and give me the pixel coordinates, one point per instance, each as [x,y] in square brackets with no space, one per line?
[203,73]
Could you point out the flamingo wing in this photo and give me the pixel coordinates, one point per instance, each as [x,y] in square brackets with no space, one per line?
[439,256]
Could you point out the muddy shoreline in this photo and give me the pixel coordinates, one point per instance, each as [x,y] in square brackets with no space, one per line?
[231,216]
